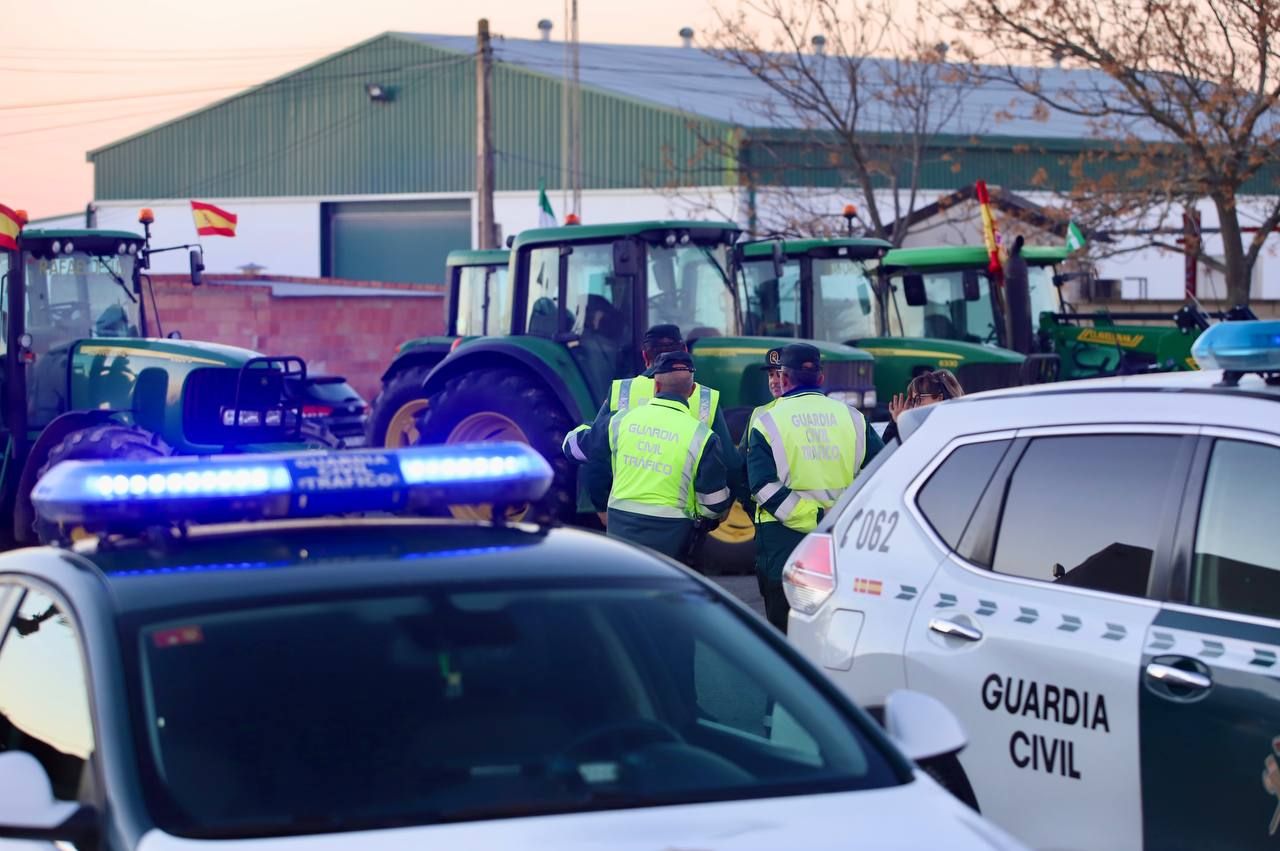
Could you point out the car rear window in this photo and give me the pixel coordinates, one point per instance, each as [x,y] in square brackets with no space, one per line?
[463,704]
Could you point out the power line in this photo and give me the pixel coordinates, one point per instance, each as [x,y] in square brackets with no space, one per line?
[283,85]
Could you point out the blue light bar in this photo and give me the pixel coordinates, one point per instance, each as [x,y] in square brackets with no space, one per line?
[122,496]
[1248,346]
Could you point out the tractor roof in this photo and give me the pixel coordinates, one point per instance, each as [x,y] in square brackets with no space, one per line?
[78,233]
[487,257]
[961,256]
[648,229]
[856,248]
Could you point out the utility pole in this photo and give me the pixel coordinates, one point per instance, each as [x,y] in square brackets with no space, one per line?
[487,231]
[571,116]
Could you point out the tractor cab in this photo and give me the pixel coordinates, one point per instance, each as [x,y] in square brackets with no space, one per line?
[477,293]
[594,290]
[945,293]
[826,289]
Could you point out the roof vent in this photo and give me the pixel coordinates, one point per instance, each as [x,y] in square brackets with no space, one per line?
[819,43]
[544,26]
[686,36]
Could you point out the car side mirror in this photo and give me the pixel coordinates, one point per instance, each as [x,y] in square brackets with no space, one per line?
[29,811]
[921,726]
[913,289]
[197,267]
[969,283]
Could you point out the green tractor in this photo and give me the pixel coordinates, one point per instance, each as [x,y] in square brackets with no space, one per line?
[581,301]
[950,306]
[846,290]
[83,379]
[476,301]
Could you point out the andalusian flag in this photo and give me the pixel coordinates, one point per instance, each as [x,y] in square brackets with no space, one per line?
[1075,237]
[546,217]
[10,227]
[213,221]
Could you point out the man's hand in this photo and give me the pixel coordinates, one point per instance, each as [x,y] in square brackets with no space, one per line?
[604,518]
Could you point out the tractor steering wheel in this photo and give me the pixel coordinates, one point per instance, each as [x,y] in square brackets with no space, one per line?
[65,312]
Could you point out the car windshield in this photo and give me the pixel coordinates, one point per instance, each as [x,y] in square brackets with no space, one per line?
[463,703]
[843,300]
[78,295]
[772,303]
[688,288]
[946,315]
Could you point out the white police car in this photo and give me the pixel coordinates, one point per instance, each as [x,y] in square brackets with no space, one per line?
[382,682]
[1088,575]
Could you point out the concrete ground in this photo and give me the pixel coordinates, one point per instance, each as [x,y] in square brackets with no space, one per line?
[744,588]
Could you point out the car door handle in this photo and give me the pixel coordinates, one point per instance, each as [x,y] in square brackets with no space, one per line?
[1171,676]
[951,629]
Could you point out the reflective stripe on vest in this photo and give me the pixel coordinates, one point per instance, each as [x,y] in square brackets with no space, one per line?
[818,446]
[646,444]
[626,393]
[572,447]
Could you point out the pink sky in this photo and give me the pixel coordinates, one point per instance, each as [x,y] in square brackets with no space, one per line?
[158,59]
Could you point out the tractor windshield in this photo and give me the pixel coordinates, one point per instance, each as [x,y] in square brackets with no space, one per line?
[772,303]
[481,296]
[843,300]
[1044,296]
[689,288]
[946,315]
[78,295]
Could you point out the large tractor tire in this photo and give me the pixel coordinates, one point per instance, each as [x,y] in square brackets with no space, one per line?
[505,404]
[100,443]
[393,420]
[730,550]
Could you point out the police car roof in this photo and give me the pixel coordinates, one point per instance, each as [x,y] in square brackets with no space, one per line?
[219,564]
[1164,382]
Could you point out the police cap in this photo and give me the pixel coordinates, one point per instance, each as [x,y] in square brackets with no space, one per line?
[801,356]
[663,334]
[773,358]
[673,362]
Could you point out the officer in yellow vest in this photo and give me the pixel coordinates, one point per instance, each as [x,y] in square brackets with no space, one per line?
[802,453]
[589,444]
[666,465]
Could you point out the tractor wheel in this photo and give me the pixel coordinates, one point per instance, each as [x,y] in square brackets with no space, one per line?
[393,420]
[100,443]
[504,404]
[731,549]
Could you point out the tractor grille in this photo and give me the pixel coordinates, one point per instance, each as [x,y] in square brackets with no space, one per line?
[849,375]
[989,376]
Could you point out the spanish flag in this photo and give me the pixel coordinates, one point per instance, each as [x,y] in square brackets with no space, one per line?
[212,221]
[10,227]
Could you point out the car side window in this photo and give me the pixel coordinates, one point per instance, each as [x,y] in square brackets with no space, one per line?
[951,494]
[1085,510]
[1237,565]
[44,697]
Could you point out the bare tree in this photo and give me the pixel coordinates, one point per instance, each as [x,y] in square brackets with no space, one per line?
[1183,91]
[855,92]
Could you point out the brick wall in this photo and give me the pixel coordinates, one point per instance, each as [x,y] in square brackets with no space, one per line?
[352,336]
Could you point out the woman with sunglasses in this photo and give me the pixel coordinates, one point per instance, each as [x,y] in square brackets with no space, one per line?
[927,388]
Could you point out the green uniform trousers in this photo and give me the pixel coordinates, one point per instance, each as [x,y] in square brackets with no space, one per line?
[774,543]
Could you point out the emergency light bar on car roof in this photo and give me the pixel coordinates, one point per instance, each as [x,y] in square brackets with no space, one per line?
[130,496]
[1239,348]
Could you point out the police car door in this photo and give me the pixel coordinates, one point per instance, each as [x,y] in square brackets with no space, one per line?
[1210,684]
[1031,632]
